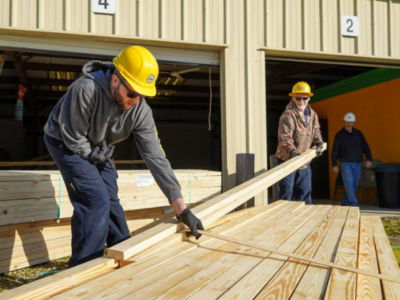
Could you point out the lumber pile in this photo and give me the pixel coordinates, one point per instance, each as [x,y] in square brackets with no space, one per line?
[28,207]
[211,268]
[161,263]
[27,196]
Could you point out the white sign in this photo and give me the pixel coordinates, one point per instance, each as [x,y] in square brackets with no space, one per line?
[349,26]
[103,6]
[144,180]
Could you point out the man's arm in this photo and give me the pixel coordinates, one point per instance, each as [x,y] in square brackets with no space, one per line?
[317,138]
[150,149]
[74,120]
[335,154]
[366,149]
[285,133]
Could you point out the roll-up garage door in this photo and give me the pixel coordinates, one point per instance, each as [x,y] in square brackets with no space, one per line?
[105,49]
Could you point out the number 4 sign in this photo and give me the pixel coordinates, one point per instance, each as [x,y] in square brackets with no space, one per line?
[103,6]
[349,26]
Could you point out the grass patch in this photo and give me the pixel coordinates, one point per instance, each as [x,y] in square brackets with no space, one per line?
[392,228]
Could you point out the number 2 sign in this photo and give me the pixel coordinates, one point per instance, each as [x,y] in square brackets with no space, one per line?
[349,26]
[103,6]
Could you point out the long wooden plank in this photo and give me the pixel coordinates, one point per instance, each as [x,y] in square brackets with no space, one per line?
[386,259]
[57,283]
[227,262]
[368,288]
[315,280]
[342,284]
[250,284]
[282,285]
[149,265]
[214,208]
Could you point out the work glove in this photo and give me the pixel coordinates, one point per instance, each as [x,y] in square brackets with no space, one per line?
[319,149]
[294,153]
[102,154]
[191,221]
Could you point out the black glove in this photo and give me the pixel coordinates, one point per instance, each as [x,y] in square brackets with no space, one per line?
[102,154]
[319,149]
[294,153]
[191,221]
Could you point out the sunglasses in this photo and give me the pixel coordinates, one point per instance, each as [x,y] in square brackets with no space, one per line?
[301,98]
[131,94]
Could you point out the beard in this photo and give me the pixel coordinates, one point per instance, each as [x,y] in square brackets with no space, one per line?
[301,107]
[118,99]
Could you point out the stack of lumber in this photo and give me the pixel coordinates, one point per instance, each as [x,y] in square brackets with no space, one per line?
[285,250]
[29,205]
[27,196]
[211,268]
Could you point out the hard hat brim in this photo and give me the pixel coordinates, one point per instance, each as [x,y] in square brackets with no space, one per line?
[309,94]
[149,92]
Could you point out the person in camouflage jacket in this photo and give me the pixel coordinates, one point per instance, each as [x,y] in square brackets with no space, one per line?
[298,131]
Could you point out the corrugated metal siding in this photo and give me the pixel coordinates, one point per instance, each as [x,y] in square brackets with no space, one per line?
[54,8]
[314,25]
[246,25]
[24,13]
[365,41]
[395,28]
[5,13]
[189,20]
[77,16]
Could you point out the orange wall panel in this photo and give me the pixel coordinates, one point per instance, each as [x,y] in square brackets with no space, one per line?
[377,110]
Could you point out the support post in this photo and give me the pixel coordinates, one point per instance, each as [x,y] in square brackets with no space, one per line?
[244,172]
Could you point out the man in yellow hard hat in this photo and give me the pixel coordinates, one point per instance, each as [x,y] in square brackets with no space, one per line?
[102,108]
[299,129]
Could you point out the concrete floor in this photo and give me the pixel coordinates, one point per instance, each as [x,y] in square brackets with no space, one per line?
[366,209]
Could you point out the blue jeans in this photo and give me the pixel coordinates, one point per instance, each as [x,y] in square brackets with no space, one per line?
[297,184]
[350,174]
[98,216]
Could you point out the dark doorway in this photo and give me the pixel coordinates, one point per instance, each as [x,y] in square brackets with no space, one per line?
[320,168]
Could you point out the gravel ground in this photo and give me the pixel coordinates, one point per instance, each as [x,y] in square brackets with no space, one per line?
[20,277]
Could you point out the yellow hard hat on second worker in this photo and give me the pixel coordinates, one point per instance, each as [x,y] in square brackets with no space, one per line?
[139,68]
[301,88]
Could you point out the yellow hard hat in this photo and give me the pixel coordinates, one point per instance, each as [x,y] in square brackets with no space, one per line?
[139,67]
[301,88]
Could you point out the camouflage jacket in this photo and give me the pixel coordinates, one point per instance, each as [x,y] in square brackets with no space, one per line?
[294,134]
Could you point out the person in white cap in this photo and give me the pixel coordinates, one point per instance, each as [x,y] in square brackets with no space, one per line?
[350,147]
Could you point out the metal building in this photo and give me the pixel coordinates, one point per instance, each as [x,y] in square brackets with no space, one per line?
[230,39]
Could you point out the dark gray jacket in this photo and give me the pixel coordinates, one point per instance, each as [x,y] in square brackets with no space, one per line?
[87,114]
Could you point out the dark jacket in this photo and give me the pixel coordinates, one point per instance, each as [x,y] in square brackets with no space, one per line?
[87,114]
[350,147]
